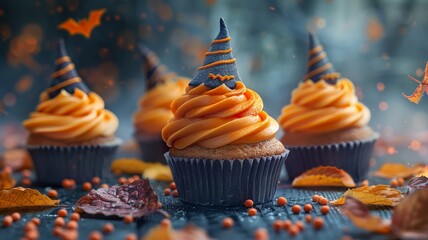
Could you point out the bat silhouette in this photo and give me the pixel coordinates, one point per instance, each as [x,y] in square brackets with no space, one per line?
[422,87]
[83,26]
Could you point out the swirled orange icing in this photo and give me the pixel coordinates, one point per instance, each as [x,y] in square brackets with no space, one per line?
[73,117]
[213,118]
[155,110]
[321,107]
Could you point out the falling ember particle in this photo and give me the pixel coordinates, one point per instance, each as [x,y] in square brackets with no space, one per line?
[117,17]
[380,86]
[391,150]
[320,22]
[383,106]
[374,30]
[419,72]
[272,8]
[210,2]
[415,145]
[9,99]
[24,83]
[385,56]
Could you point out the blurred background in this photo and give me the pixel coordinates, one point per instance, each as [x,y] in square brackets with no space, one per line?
[375,43]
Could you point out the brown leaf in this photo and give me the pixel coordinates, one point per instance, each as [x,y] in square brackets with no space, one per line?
[417,183]
[410,217]
[137,199]
[166,232]
[381,195]
[24,199]
[396,170]
[324,176]
[6,180]
[360,216]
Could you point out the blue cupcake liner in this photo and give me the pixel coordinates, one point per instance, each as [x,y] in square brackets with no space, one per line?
[226,182]
[81,163]
[152,149]
[353,157]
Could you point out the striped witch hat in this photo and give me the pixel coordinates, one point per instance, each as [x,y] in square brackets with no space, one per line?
[219,66]
[65,75]
[154,70]
[319,67]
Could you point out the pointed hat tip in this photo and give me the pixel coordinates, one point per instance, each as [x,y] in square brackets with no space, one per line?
[224,33]
[313,40]
[61,50]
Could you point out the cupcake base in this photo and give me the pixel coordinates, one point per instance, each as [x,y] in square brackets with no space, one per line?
[353,157]
[226,182]
[55,163]
[152,148]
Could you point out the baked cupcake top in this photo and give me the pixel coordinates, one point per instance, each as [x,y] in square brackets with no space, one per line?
[68,111]
[324,102]
[217,109]
[162,88]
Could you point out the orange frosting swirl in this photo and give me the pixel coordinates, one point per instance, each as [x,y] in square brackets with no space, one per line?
[155,105]
[73,117]
[213,118]
[321,107]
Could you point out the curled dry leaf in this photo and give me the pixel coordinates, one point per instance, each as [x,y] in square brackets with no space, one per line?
[381,195]
[324,176]
[360,216]
[136,199]
[410,217]
[397,170]
[6,180]
[166,232]
[417,183]
[24,199]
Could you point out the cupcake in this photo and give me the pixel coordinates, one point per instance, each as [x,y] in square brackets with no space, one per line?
[162,88]
[71,135]
[325,124]
[222,144]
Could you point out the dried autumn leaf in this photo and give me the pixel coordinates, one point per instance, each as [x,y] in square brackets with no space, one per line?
[360,216]
[24,199]
[129,165]
[396,170]
[417,183]
[381,195]
[410,217]
[166,232]
[6,180]
[137,199]
[324,176]
[159,172]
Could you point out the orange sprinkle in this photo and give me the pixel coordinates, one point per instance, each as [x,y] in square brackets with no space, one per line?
[261,234]
[72,225]
[95,235]
[393,183]
[175,193]
[391,150]
[380,86]
[96,180]
[252,212]
[281,201]
[57,231]
[315,198]
[122,180]
[26,173]
[159,205]
[293,230]
[53,193]
[307,208]
[75,217]
[16,216]
[277,225]
[365,182]
[415,145]
[131,236]
[400,181]
[59,222]
[36,221]
[62,212]
[300,225]
[68,183]
[318,223]
[308,218]
[227,223]
[30,226]
[166,191]
[172,186]
[87,186]
[323,201]
[104,185]
[296,209]
[383,106]
[108,228]
[165,223]
[325,210]
[248,203]
[32,235]
[26,181]
[286,224]
[128,219]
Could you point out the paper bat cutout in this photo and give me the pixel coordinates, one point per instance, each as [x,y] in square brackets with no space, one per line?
[83,26]
[422,87]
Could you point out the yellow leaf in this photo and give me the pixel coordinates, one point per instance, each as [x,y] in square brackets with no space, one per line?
[381,195]
[129,165]
[324,176]
[24,199]
[422,171]
[396,170]
[159,172]
[6,180]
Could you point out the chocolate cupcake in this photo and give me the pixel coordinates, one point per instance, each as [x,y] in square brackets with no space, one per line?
[71,134]
[223,146]
[325,124]
[162,88]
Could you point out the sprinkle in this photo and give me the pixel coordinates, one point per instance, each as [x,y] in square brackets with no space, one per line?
[293,230]
[128,219]
[400,181]
[59,222]
[95,235]
[281,201]
[308,218]
[227,223]
[365,182]
[286,224]
[96,180]
[75,217]
[315,198]
[57,231]
[26,181]
[108,228]
[325,210]
[175,193]
[323,201]
[16,216]
[252,212]
[104,185]
[318,223]
[72,225]
[36,221]
[248,203]
[131,236]
[26,173]
[166,191]
[300,225]
[53,193]
[261,234]
[30,226]
[277,225]
[307,208]
[62,212]
[122,180]
[68,183]
[87,186]
[172,186]
[393,183]
[296,209]
[165,223]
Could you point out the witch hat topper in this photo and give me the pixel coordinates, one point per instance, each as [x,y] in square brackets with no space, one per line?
[65,76]
[319,67]
[219,66]
[153,68]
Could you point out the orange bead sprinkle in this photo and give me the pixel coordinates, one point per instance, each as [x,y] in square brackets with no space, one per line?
[30,226]
[318,223]
[62,212]
[400,181]
[26,173]
[36,221]
[300,225]
[175,193]
[108,228]
[277,225]
[228,223]
[325,210]
[26,181]
[307,208]
[165,223]
[72,225]
[68,183]
[59,222]
[308,218]
[293,230]
[7,221]
[104,185]
[281,201]
[159,205]
[365,182]
[296,209]
[393,183]
[95,235]
[166,191]
[248,203]
[323,201]
[131,236]
[315,198]
[75,217]
[16,216]
[128,219]
[96,180]
[87,186]
[122,180]
[172,186]
[261,234]
[286,224]
[57,231]
[252,212]
[53,193]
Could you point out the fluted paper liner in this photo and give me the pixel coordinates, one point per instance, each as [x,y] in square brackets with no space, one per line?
[226,182]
